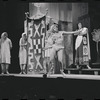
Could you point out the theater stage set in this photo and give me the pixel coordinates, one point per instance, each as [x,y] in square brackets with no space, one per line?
[75,84]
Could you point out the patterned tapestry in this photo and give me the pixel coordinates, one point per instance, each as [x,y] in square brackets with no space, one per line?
[36,36]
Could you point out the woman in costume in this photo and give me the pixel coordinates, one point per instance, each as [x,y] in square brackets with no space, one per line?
[57,45]
[82,47]
[48,47]
[5,45]
[23,53]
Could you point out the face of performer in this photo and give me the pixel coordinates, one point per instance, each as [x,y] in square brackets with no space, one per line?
[79,25]
[24,37]
[5,35]
[55,28]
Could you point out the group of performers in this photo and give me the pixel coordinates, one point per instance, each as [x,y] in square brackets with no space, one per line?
[54,46]
[5,49]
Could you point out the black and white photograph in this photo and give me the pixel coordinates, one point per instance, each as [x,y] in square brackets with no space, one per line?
[49,50]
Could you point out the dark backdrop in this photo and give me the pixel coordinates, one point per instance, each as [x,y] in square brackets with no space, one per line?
[94,13]
[12,16]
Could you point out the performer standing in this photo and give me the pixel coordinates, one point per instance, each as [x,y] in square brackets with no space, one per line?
[48,47]
[5,45]
[57,45]
[23,53]
[82,47]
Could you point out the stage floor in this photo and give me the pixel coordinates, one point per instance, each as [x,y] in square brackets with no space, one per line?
[66,76]
[64,87]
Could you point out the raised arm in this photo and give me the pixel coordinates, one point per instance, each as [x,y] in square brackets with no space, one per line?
[82,31]
[78,32]
[71,32]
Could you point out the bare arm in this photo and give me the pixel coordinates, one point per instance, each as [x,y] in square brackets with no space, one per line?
[21,44]
[78,32]
[82,31]
[10,43]
[0,43]
[71,32]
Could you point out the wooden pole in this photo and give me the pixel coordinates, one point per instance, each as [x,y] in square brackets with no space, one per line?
[27,42]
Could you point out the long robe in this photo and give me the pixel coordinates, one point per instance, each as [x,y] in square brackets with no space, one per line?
[22,52]
[5,51]
[82,48]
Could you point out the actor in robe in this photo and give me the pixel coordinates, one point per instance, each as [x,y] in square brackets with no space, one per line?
[5,45]
[82,47]
[57,45]
[23,53]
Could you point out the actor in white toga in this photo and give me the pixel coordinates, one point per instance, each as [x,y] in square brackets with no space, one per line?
[5,45]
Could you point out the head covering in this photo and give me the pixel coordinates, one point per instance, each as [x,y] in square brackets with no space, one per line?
[3,34]
[23,34]
[24,38]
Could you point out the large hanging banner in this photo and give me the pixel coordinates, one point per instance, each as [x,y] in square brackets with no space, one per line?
[36,36]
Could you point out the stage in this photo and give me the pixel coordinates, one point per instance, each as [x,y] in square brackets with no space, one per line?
[53,87]
[53,76]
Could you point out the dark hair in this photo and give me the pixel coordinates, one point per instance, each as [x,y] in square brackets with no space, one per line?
[78,23]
